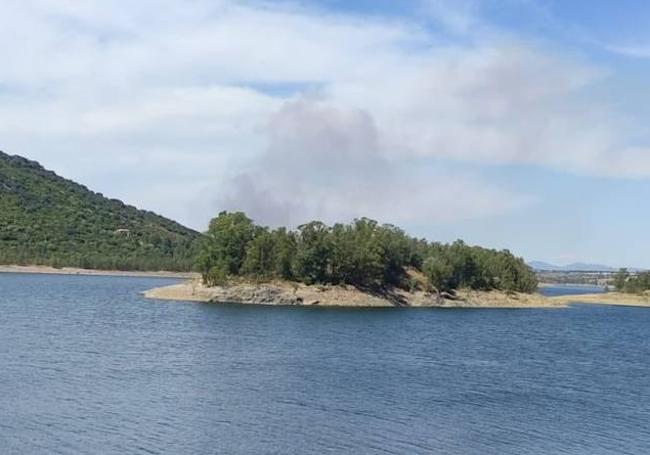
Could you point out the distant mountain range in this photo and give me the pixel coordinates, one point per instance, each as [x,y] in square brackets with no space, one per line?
[575,267]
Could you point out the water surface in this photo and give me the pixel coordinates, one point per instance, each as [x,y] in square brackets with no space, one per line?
[555,290]
[87,366]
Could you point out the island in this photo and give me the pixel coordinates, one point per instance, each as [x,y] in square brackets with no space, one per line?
[360,264]
[365,264]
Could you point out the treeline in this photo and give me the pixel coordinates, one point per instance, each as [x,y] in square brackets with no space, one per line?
[103,250]
[363,253]
[98,261]
[624,281]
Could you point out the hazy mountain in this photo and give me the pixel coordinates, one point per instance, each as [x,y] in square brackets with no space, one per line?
[575,267]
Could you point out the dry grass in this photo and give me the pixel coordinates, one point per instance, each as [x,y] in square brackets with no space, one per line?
[609,298]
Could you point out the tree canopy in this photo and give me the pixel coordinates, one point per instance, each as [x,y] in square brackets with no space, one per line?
[363,253]
[624,281]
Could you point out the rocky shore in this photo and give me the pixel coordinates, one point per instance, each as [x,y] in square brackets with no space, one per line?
[295,294]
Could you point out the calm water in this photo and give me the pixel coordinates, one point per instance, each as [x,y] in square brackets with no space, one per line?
[89,367]
[567,289]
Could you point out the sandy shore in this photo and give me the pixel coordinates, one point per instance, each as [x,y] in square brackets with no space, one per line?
[609,298]
[74,271]
[295,294]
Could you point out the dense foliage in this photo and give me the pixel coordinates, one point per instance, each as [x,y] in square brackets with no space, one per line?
[624,281]
[47,220]
[364,254]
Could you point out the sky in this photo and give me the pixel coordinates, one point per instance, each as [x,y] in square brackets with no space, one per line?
[519,124]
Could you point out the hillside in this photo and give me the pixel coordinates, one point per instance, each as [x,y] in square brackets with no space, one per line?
[48,220]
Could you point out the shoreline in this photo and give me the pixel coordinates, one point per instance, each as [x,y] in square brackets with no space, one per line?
[608,298]
[297,294]
[45,270]
[571,285]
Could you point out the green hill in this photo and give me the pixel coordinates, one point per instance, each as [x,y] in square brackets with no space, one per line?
[48,220]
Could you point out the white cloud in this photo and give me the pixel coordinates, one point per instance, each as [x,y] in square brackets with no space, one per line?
[170,91]
[329,164]
[635,51]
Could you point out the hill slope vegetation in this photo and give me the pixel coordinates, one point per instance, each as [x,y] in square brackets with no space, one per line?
[48,220]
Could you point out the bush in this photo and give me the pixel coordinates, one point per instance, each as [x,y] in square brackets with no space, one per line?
[216,276]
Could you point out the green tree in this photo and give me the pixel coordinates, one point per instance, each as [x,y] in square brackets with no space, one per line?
[398,253]
[226,242]
[260,259]
[620,279]
[357,253]
[285,253]
[313,253]
[439,272]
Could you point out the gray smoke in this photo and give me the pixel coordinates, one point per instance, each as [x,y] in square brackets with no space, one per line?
[326,163]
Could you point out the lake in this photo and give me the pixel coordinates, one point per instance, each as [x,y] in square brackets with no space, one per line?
[567,289]
[87,366]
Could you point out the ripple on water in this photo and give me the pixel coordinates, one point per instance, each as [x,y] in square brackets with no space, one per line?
[87,366]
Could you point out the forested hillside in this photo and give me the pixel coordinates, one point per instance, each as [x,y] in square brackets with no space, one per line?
[48,220]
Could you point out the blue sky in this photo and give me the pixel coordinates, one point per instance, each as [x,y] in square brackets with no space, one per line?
[517,124]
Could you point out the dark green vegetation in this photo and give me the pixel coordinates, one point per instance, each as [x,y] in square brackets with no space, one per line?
[363,253]
[48,220]
[638,283]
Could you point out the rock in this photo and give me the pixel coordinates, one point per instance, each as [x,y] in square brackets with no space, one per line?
[292,294]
